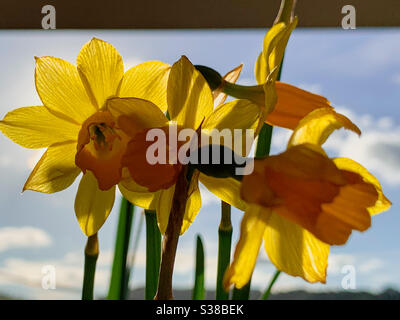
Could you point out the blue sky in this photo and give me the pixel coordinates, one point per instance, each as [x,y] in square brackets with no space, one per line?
[357,70]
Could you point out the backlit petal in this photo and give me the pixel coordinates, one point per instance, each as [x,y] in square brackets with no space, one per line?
[136,114]
[61,90]
[294,250]
[232,76]
[37,127]
[246,252]
[148,81]
[190,99]
[237,117]
[164,206]
[55,171]
[274,45]
[101,69]
[193,203]
[227,189]
[145,200]
[317,126]
[92,206]
[383,203]
[293,104]
[260,69]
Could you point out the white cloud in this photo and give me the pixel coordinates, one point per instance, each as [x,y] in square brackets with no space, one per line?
[68,275]
[207,198]
[23,237]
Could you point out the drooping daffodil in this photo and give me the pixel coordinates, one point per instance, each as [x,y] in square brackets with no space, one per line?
[300,202]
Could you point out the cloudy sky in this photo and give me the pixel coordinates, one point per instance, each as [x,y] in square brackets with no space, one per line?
[357,70]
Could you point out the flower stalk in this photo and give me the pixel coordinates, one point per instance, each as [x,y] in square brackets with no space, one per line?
[119,274]
[91,255]
[153,254]
[224,249]
[267,292]
[171,237]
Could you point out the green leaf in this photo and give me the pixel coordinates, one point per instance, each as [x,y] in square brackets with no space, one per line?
[224,249]
[265,296]
[198,290]
[153,254]
[119,273]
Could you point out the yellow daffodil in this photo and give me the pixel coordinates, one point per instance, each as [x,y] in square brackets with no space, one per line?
[190,106]
[282,104]
[292,103]
[80,134]
[301,202]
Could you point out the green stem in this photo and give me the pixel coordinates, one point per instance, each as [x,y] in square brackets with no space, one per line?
[91,254]
[199,290]
[153,254]
[243,293]
[224,249]
[271,284]
[117,290]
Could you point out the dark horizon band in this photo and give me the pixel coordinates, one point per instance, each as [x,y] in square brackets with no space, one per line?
[184,14]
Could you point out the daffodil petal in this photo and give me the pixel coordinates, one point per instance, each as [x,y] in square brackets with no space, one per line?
[227,189]
[317,126]
[92,206]
[260,69]
[136,114]
[276,49]
[55,171]
[293,104]
[288,183]
[164,206]
[193,203]
[101,69]
[148,81]
[246,252]
[37,127]
[383,203]
[294,250]
[232,76]
[189,97]
[145,200]
[236,117]
[61,90]
[274,46]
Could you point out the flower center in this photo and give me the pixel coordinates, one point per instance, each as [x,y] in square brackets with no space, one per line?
[101,145]
[103,136]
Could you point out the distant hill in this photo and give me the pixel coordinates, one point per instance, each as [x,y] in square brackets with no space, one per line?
[388,294]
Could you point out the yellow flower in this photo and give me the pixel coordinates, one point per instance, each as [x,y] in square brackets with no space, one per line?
[78,131]
[282,104]
[300,202]
[190,106]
